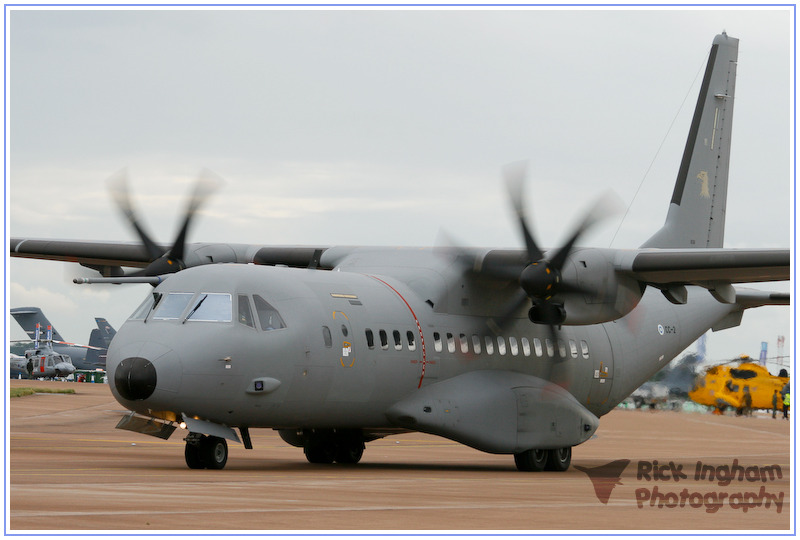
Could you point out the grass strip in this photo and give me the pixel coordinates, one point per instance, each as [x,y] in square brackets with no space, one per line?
[26,391]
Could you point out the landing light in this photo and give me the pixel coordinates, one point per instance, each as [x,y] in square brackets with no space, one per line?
[182,425]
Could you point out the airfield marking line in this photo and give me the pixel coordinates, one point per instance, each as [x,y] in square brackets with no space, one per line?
[378,508]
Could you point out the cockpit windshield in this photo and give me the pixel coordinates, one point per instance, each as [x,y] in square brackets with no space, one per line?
[207,307]
[171,307]
[212,307]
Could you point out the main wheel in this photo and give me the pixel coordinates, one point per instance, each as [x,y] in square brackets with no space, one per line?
[319,451]
[349,451]
[559,459]
[214,452]
[192,455]
[533,460]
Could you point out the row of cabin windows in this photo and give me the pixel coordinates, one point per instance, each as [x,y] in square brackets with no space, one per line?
[474,344]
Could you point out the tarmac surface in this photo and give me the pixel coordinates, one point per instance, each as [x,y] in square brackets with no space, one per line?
[70,470]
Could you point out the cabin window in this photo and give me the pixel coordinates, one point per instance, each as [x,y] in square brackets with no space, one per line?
[476,344]
[412,345]
[384,339]
[526,346]
[489,342]
[573,348]
[537,346]
[549,346]
[171,307]
[326,337]
[437,342]
[398,344]
[562,349]
[245,313]
[512,344]
[501,345]
[584,349]
[370,339]
[464,343]
[268,316]
[451,343]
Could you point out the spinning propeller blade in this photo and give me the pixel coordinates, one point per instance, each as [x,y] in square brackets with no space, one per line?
[161,261]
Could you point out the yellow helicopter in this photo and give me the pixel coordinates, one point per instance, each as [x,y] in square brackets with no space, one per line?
[725,386]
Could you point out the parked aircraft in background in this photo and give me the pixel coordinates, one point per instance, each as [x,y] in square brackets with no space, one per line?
[83,357]
[508,351]
[46,363]
[726,385]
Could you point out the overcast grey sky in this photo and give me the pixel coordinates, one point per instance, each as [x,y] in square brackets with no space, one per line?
[379,127]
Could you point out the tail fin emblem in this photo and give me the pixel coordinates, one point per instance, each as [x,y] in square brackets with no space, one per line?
[703,178]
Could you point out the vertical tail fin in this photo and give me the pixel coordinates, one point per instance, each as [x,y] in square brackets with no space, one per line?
[28,317]
[696,216]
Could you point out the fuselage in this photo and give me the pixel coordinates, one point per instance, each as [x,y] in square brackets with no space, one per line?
[288,348]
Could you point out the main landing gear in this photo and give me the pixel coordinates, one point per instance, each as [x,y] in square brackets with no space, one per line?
[536,460]
[327,447]
[205,451]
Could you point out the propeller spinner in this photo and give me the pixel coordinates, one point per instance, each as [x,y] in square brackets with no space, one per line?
[541,279]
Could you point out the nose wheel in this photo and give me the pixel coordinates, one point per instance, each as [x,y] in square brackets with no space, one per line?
[205,452]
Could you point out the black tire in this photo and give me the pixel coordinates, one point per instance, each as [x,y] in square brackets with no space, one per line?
[349,451]
[214,452]
[193,458]
[319,452]
[533,460]
[559,459]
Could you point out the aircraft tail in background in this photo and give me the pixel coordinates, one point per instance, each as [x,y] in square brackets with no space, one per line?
[28,317]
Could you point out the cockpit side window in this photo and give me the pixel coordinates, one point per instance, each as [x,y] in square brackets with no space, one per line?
[245,313]
[211,307]
[268,316]
[171,307]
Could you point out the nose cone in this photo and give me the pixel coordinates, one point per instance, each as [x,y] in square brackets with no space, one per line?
[65,368]
[135,378]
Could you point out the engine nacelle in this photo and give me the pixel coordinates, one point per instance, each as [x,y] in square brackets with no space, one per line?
[612,295]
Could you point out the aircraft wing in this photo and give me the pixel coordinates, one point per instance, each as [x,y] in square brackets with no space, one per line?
[701,266]
[652,266]
[109,257]
[88,253]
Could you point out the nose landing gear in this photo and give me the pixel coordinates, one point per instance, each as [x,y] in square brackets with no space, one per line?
[205,452]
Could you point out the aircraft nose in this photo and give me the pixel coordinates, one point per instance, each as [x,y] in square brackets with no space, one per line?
[135,378]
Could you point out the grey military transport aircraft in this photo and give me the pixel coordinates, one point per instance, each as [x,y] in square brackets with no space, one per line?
[508,351]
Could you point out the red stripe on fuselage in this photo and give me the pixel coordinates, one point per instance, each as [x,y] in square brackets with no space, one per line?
[419,327]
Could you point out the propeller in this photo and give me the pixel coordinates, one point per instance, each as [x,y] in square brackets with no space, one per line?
[542,279]
[170,260]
